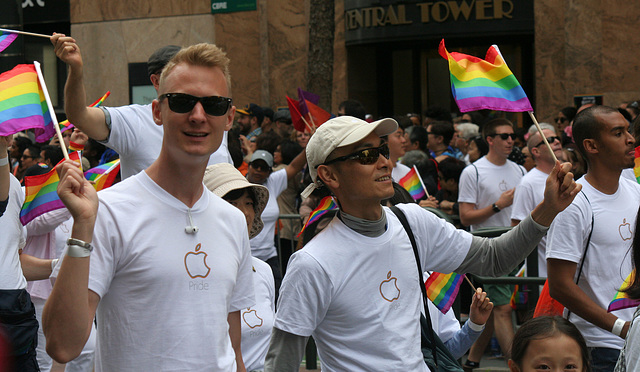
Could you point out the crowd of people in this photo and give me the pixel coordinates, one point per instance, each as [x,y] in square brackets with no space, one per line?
[186,263]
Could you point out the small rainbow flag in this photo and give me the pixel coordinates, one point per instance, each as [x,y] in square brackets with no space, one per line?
[64,125]
[326,204]
[308,104]
[41,193]
[22,103]
[103,175]
[442,289]
[6,38]
[621,301]
[411,182]
[519,296]
[636,166]
[484,83]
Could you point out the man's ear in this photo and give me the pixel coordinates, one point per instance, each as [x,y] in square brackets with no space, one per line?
[230,115]
[155,80]
[590,145]
[440,139]
[328,176]
[155,107]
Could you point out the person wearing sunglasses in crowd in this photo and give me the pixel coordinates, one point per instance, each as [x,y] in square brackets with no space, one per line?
[168,297]
[129,130]
[484,199]
[354,287]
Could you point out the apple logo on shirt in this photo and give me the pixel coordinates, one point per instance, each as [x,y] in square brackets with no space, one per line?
[196,263]
[389,288]
[625,230]
[251,318]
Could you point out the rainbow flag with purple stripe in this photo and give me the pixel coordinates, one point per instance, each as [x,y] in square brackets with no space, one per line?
[636,164]
[326,204]
[65,125]
[103,175]
[488,83]
[42,193]
[411,182]
[6,38]
[22,104]
[621,301]
[519,295]
[442,289]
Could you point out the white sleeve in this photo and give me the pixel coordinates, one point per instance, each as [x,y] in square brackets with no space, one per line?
[243,293]
[467,187]
[104,256]
[522,201]
[278,182]
[124,131]
[569,231]
[305,296]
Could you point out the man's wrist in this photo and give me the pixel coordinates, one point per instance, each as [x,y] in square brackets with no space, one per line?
[4,161]
[495,208]
[474,326]
[617,327]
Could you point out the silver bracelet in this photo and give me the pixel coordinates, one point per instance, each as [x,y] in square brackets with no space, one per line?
[4,161]
[78,248]
[617,327]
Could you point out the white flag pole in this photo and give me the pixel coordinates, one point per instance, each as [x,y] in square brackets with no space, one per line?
[24,33]
[544,139]
[422,183]
[51,112]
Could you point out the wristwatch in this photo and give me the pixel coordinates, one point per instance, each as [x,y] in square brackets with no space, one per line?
[78,248]
[495,208]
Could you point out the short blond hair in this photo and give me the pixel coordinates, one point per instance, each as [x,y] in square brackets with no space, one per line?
[203,54]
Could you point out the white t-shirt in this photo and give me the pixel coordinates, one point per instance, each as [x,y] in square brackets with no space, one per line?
[138,139]
[482,183]
[529,193]
[400,170]
[263,244]
[12,238]
[608,260]
[257,321]
[165,295]
[359,296]
[628,174]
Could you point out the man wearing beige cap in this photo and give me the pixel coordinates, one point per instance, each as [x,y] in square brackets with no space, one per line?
[354,287]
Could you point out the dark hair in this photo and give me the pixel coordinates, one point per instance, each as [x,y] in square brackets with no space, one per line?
[481,144]
[444,129]
[353,108]
[400,196]
[419,134]
[636,130]
[289,150]
[490,128]
[451,168]
[53,153]
[268,141]
[22,143]
[34,150]
[237,194]
[437,113]
[404,121]
[633,291]
[268,113]
[235,150]
[569,112]
[587,125]
[543,327]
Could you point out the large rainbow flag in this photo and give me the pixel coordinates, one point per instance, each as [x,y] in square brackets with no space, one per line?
[41,193]
[22,103]
[103,175]
[6,38]
[411,182]
[442,289]
[484,83]
[621,301]
[636,166]
[327,204]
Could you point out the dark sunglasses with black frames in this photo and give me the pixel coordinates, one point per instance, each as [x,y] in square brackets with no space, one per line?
[551,140]
[183,103]
[365,156]
[504,136]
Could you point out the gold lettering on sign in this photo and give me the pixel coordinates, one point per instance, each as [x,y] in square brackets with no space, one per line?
[464,8]
[498,9]
[376,17]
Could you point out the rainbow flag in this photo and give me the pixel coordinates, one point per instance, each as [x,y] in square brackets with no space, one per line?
[326,204]
[41,193]
[488,83]
[22,103]
[6,38]
[411,182]
[621,301]
[103,175]
[442,289]
[64,125]
[636,166]
[519,296]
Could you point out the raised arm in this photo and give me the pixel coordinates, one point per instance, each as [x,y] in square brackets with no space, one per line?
[296,164]
[69,311]
[90,120]
[4,172]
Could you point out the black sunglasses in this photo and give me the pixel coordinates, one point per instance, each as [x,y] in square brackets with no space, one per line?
[551,140]
[560,119]
[183,103]
[504,136]
[365,157]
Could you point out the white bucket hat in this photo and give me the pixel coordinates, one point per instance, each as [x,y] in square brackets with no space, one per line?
[339,132]
[223,177]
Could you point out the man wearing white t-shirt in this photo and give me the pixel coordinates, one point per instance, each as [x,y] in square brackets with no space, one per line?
[588,244]
[484,199]
[168,297]
[354,287]
[396,142]
[129,130]
[530,190]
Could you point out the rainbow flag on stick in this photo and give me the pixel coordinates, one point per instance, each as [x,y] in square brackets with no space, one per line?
[327,204]
[42,193]
[299,122]
[487,83]
[22,102]
[621,301]
[519,296]
[636,166]
[103,175]
[6,38]
[442,289]
[413,183]
[309,109]
[64,125]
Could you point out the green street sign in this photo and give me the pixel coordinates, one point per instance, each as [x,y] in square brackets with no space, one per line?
[229,6]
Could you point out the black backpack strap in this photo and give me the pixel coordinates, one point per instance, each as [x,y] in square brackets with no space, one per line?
[403,220]
[586,248]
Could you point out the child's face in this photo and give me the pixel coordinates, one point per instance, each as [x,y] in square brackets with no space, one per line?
[556,353]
